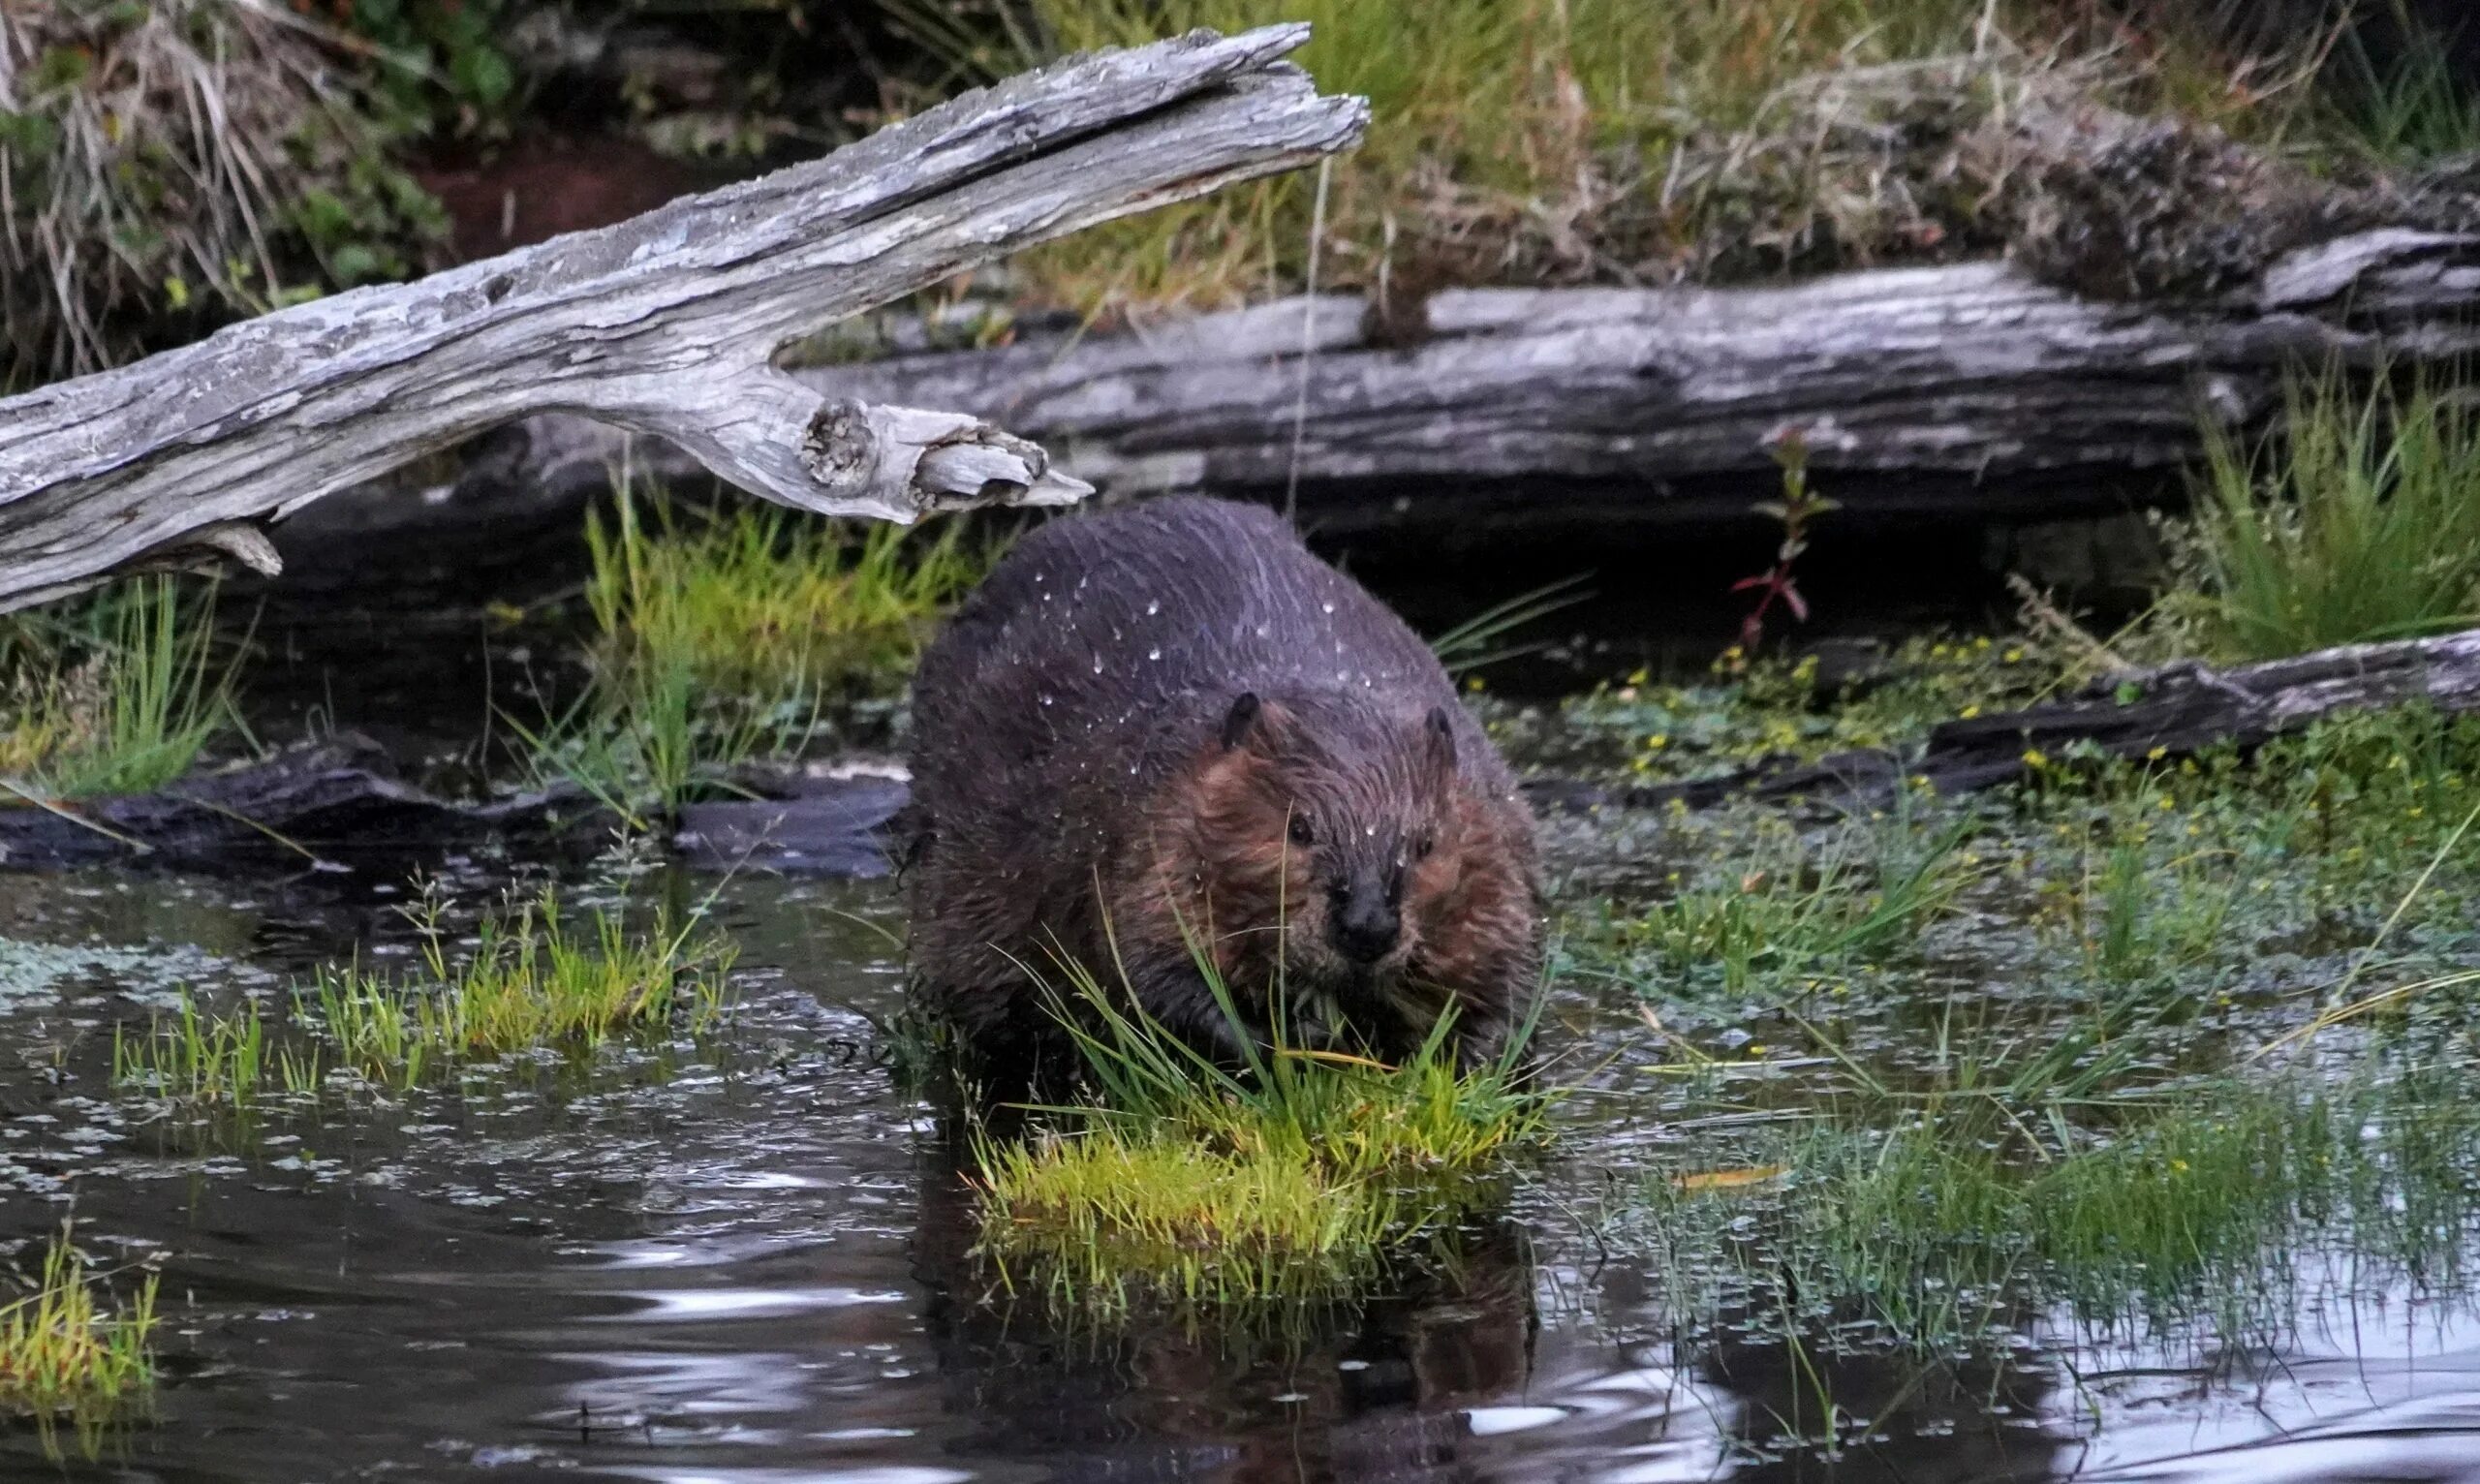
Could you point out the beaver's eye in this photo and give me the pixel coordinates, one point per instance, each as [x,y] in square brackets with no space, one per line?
[1422,844]
[1299,831]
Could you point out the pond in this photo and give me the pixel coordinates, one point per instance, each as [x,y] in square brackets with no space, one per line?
[747,1255]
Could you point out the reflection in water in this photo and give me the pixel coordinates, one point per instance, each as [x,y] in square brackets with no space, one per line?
[752,1265]
[1382,1391]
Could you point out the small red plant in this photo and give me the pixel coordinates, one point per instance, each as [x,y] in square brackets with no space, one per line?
[1795,510]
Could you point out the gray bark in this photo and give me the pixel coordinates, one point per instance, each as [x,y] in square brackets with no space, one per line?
[1607,406]
[667,323]
[1614,403]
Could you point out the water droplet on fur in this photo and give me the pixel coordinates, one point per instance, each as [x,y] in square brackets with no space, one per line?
[1048,698]
[1153,608]
[1327,607]
[1097,664]
[1154,652]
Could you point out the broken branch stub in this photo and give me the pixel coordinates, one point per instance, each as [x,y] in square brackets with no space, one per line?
[667,323]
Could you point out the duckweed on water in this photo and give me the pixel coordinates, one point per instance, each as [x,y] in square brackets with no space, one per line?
[66,1356]
[2176,1039]
[1297,1178]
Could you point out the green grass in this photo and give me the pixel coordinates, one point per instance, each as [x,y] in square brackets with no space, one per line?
[2180,1031]
[212,1064]
[114,693]
[535,977]
[1299,1177]
[67,1356]
[725,636]
[1946,1223]
[2409,111]
[2358,520]
[1797,906]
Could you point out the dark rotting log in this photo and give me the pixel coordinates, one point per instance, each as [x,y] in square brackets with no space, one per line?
[2173,712]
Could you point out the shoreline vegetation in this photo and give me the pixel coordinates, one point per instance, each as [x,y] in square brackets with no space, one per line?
[1710,140]
[2130,1043]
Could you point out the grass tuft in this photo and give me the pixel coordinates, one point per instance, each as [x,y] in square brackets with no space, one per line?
[64,1356]
[532,978]
[2359,522]
[1290,1180]
[725,636]
[116,693]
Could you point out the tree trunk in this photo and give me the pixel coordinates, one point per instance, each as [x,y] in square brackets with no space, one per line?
[665,324]
[1968,388]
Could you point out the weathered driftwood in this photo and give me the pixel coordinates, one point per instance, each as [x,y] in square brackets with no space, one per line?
[667,323]
[1965,386]
[2166,713]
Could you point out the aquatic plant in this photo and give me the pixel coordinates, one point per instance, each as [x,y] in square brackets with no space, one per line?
[2357,519]
[1952,1221]
[723,635]
[1788,905]
[1799,508]
[1294,1177]
[65,1356]
[531,979]
[114,693]
[212,1064]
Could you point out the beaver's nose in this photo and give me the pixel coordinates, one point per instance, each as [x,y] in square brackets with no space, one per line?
[1364,923]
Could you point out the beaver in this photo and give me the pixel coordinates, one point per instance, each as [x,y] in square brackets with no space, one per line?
[1169,733]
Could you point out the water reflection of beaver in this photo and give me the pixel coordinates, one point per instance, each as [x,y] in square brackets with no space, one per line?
[1172,722]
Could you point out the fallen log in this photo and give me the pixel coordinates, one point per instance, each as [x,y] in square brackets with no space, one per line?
[667,323]
[1963,387]
[340,804]
[2172,712]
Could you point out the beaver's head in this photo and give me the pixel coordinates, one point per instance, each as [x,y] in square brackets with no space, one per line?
[1337,832]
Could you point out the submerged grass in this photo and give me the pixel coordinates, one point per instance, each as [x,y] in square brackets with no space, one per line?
[66,1357]
[1951,1224]
[2181,1045]
[1296,1178]
[723,636]
[114,694]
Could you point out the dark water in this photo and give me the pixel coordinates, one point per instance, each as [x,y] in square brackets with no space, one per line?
[748,1261]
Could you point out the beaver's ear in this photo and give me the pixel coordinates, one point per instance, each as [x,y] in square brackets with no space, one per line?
[1438,737]
[1241,719]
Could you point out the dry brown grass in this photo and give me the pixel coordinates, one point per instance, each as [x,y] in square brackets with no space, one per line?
[1545,141]
[168,165]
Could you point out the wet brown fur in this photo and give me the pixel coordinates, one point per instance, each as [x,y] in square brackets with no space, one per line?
[1116,743]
